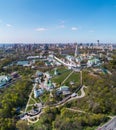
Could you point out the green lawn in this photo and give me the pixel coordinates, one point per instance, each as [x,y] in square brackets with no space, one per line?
[31,101]
[60,69]
[61,77]
[75,77]
[45,97]
[29,108]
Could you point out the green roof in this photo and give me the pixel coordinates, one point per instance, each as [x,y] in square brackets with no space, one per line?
[64,87]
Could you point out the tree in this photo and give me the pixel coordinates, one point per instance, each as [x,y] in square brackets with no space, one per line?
[22,125]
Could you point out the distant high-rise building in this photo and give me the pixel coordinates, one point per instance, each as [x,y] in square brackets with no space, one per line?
[98,42]
[46,47]
[76,50]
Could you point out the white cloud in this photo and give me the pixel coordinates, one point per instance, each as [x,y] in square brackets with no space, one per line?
[40,29]
[8,25]
[74,28]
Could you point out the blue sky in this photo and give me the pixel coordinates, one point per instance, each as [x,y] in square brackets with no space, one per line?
[52,21]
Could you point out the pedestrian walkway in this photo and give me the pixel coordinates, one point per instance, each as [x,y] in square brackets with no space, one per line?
[67,77]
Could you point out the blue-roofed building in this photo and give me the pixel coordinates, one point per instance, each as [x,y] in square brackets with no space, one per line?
[4,79]
[23,63]
[2,84]
[93,62]
[39,74]
[63,90]
[37,80]
[49,85]
[38,92]
[70,58]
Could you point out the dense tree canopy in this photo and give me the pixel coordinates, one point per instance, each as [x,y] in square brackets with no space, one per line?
[12,98]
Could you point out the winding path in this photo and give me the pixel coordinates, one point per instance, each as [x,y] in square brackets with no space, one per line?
[75,110]
[37,117]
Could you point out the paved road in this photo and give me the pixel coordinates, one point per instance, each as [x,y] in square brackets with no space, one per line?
[110,125]
[73,98]
[37,117]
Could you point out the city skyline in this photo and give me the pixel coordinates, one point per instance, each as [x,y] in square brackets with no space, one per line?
[41,21]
